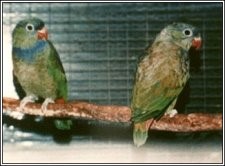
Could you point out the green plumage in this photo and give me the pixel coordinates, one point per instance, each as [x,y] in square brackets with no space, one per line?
[161,76]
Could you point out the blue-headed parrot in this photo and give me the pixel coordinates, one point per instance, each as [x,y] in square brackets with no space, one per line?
[37,70]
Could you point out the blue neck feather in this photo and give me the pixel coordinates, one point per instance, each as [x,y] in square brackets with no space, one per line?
[29,54]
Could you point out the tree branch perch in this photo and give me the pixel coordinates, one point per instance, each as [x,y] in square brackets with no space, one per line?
[84,110]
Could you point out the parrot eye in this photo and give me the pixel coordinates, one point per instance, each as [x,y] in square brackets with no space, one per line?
[30,27]
[187,32]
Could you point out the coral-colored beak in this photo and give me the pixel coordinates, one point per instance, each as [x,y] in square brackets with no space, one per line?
[42,34]
[197,42]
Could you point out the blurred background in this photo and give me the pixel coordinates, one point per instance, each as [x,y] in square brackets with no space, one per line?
[99,45]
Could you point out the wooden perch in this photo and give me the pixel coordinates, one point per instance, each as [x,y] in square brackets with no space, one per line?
[178,123]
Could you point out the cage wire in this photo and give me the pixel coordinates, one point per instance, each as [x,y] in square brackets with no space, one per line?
[100,43]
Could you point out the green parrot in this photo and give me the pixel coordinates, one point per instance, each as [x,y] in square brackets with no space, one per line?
[38,73]
[161,75]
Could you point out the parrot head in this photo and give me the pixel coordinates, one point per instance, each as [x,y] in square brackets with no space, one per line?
[29,31]
[182,34]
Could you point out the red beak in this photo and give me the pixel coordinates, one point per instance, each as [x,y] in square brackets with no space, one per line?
[42,34]
[197,43]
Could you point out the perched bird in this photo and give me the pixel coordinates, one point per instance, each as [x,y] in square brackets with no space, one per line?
[161,75]
[38,73]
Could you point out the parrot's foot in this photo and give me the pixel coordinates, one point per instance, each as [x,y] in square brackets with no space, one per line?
[45,104]
[171,112]
[63,124]
[27,99]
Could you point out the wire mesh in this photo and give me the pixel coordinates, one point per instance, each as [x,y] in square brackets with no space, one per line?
[100,43]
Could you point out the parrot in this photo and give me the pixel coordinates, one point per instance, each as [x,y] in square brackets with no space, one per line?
[38,74]
[161,74]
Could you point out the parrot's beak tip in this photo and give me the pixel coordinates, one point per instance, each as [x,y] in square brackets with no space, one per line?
[42,34]
[197,43]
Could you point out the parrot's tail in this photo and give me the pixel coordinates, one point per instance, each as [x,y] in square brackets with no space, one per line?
[63,124]
[140,133]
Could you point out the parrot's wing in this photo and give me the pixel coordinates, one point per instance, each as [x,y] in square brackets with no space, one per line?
[55,59]
[57,71]
[19,90]
[55,68]
[155,89]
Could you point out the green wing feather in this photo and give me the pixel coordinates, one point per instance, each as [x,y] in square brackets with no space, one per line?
[56,69]
[157,85]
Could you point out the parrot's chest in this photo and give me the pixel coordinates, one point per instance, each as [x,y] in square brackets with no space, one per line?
[176,69]
[178,74]
[35,79]
[184,70]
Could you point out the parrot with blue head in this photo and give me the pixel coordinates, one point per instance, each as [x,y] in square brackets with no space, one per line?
[38,73]
[161,75]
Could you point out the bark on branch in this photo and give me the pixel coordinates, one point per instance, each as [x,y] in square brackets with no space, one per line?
[179,123]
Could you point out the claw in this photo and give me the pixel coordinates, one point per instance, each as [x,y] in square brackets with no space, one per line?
[27,99]
[45,104]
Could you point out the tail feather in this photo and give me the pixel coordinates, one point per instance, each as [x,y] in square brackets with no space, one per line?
[63,124]
[140,133]
[139,137]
